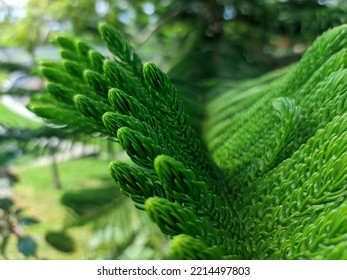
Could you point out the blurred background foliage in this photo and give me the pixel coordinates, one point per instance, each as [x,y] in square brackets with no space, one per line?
[61,177]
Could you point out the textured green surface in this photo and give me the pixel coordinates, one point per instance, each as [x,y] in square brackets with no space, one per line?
[271,182]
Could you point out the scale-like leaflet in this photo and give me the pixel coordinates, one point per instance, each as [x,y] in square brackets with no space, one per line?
[287,212]
[252,134]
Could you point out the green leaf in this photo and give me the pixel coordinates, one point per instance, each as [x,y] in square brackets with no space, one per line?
[25,221]
[61,241]
[27,246]
[85,202]
[4,244]
[6,204]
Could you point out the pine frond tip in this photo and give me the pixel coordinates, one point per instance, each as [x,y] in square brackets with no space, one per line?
[171,217]
[176,177]
[186,247]
[141,149]
[120,47]
[156,79]
[89,107]
[65,42]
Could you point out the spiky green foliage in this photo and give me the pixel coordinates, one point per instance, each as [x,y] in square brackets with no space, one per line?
[271,182]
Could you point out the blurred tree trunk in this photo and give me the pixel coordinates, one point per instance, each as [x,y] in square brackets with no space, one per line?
[55,170]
